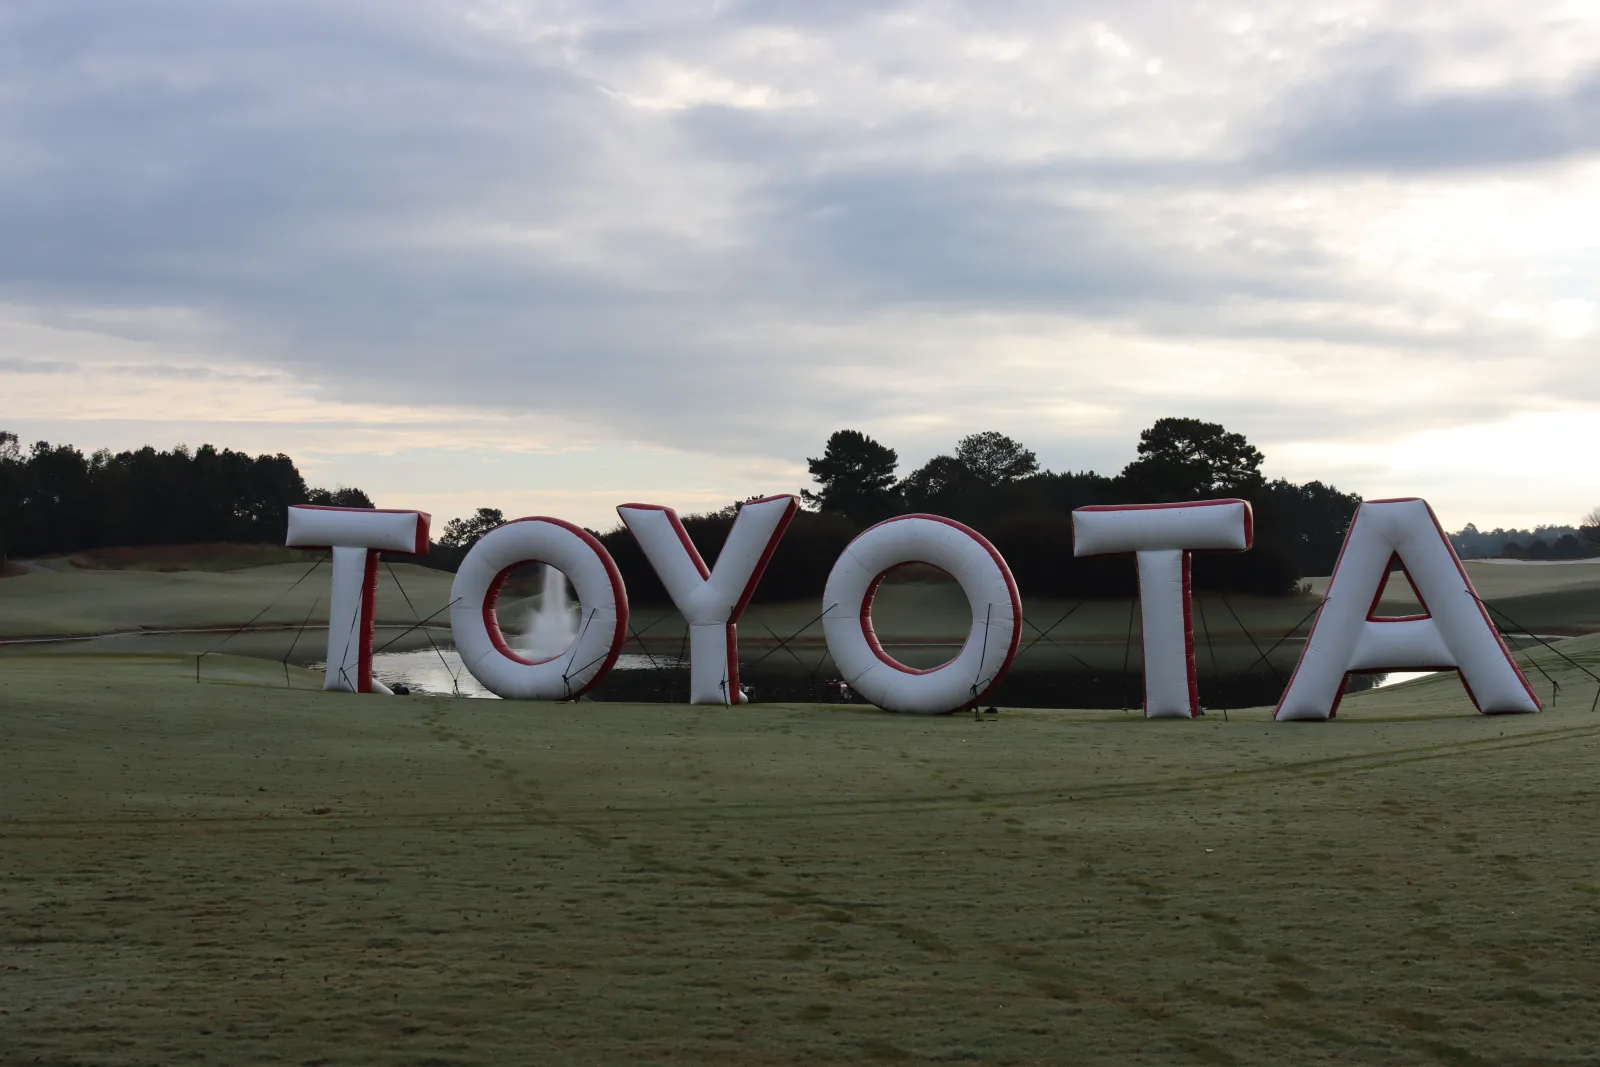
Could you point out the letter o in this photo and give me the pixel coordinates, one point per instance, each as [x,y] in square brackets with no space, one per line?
[602,599]
[984,577]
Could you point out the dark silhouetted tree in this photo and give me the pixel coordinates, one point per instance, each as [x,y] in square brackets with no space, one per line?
[464,533]
[1308,521]
[856,476]
[1186,459]
[11,474]
[342,497]
[943,482]
[994,459]
[973,481]
[54,499]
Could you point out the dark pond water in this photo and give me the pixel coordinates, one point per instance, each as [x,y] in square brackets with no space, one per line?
[644,679]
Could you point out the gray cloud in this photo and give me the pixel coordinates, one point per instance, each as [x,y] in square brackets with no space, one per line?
[382,192]
[36,366]
[1373,122]
[152,371]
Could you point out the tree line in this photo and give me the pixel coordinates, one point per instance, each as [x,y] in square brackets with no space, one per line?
[995,485]
[1544,542]
[55,500]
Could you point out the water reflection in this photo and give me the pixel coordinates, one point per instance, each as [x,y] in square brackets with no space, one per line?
[1383,681]
[430,670]
[647,679]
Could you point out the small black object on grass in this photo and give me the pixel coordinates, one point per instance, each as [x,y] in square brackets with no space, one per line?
[991,710]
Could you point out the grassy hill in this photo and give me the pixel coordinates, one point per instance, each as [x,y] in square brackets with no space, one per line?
[1559,598]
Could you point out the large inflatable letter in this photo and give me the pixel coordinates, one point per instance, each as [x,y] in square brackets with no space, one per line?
[355,536]
[970,559]
[1453,633]
[712,600]
[1162,536]
[602,602]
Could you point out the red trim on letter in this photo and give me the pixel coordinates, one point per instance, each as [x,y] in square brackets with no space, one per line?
[872,635]
[731,635]
[1249,520]
[1005,572]
[491,616]
[766,555]
[359,511]
[619,593]
[1188,636]
[1484,612]
[1383,585]
[424,523]
[683,535]
[369,614]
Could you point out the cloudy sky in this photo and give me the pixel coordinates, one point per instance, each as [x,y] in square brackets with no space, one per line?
[554,256]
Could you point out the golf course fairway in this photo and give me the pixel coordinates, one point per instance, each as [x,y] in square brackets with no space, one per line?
[248,870]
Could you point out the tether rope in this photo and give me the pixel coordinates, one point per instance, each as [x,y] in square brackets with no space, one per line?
[783,642]
[1260,655]
[414,614]
[642,647]
[344,671]
[1044,635]
[682,647]
[417,626]
[785,646]
[566,675]
[983,653]
[1216,671]
[638,638]
[1555,686]
[1127,648]
[1542,641]
[1287,634]
[234,633]
[297,635]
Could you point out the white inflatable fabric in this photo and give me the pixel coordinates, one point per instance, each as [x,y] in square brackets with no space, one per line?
[1162,536]
[996,615]
[1454,633]
[711,600]
[602,602]
[355,536]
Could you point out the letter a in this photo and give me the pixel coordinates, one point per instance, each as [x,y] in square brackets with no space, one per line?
[711,599]
[1453,633]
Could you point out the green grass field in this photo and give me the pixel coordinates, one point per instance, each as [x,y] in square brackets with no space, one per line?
[236,872]
[248,870]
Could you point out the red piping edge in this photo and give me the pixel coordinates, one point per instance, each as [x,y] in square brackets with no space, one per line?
[1484,613]
[1249,521]
[1188,634]
[419,545]
[1382,585]
[677,528]
[766,556]
[1005,572]
[619,592]
[369,617]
